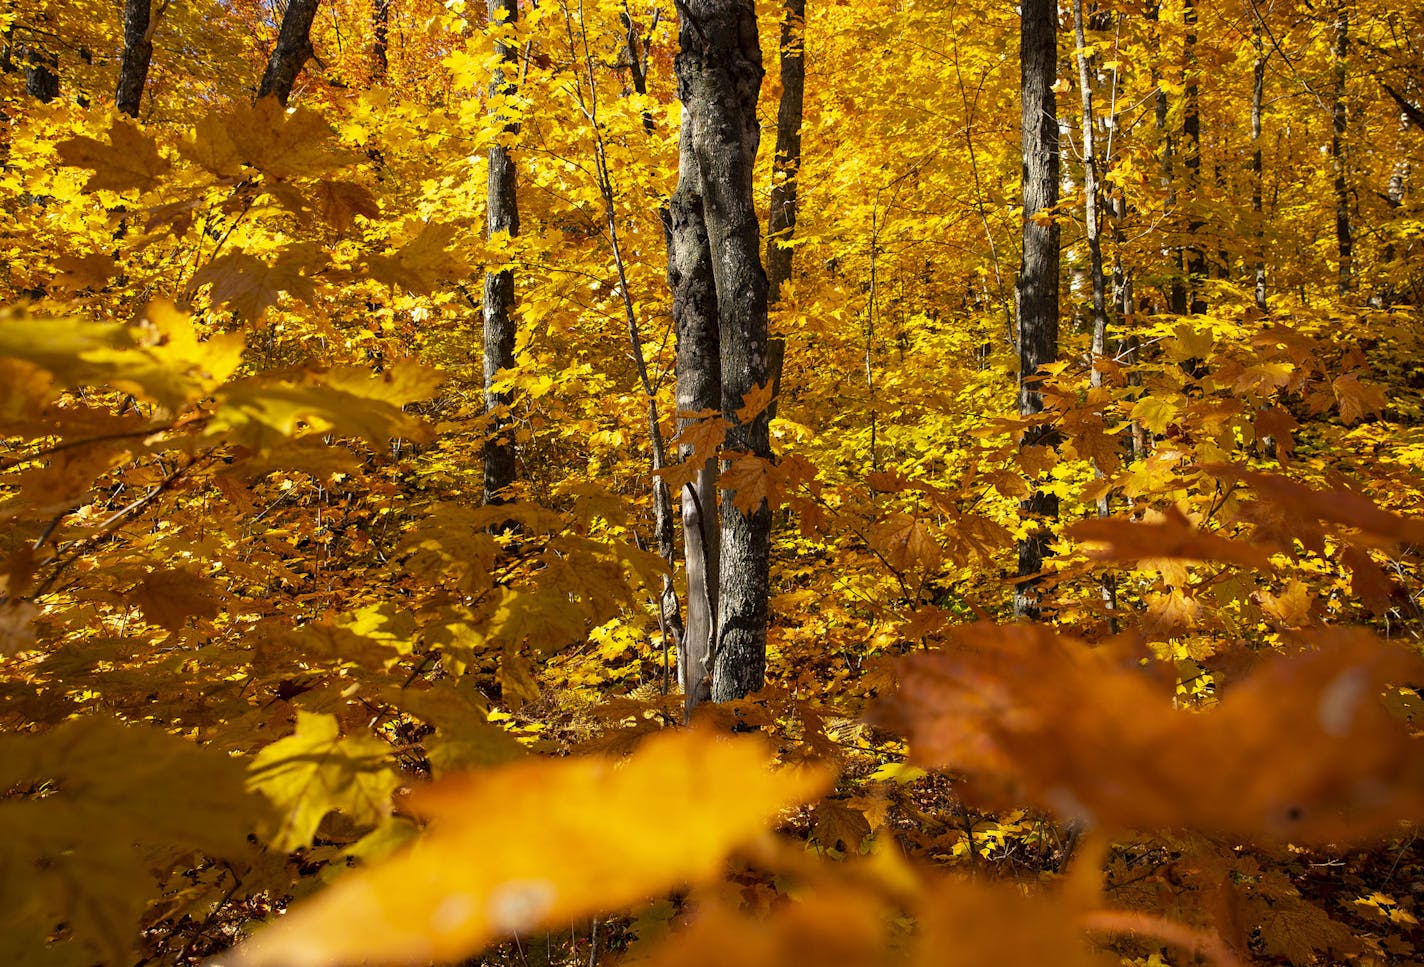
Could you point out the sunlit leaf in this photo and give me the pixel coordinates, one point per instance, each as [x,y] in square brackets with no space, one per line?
[520,826]
[129,160]
[153,797]
[316,770]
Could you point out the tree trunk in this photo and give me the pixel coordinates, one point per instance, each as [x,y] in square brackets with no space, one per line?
[635,47]
[719,78]
[1093,226]
[380,39]
[292,50]
[1343,237]
[664,528]
[1191,163]
[781,221]
[41,73]
[1258,91]
[781,224]
[699,390]
[138,52]
[1091,221]
[499,285]
[1038,275]
[1177,290]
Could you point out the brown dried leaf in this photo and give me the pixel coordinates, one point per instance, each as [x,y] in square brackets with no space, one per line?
[751,480]
[168,598]
[1171,538]
[1301,749]
[339,202]
[905,542]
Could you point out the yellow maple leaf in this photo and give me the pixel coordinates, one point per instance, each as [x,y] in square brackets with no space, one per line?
[130,160]
[751,480]
[540,843]
[905,542]
[1357,399]
[757,399]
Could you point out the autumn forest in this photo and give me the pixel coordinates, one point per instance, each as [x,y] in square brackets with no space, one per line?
[694,482]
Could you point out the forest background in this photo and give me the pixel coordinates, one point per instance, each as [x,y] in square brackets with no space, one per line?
[271,640]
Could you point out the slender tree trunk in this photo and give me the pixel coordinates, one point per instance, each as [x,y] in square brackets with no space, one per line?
[499,285]
[782,220]
[1177,290]
[1124,296]
[380,39]
[635,47]
[786,173]
[699,391]
[1191,162]
[719,78]
[1258,170]
[1343,237]
[138,53]
[1038,275]
[41,72]
[1090,201]
[292,50]
[1093,226]
[1412,112]
[664,530]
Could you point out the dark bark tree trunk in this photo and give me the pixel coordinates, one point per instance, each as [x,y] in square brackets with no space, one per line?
[1177,289]
[1038,275]
[41,73]
[499,455]
[719,78]
[1344,239]
[1412,112]
[138,53]
[699,390]
[292,50]
[1258,92]
[380,38]
[635,48]
[1191,162]
[781,224]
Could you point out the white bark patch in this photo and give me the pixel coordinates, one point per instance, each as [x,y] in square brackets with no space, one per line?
[519,905]
[1067,805]
[452,913]
[1338,702]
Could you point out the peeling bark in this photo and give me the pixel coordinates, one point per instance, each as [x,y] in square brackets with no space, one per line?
[699,390]
[719,79]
